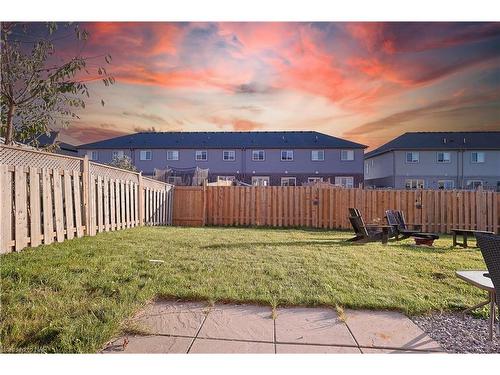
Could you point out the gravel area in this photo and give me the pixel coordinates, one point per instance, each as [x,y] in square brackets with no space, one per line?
[458,333]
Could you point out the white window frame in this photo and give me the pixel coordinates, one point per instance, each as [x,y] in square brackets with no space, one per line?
[174,154]
[285,181]
[415,183]
[93,155]
[119,154]
[143,155]
[345,181]
[226,178]
[287,155]
[477,161]
[473,183]
[349,155]
[257,180]
[444,161]
[413,153]
[256,155]
[318,153]
[229,152]
[314,179]
[199,153]
[444,182]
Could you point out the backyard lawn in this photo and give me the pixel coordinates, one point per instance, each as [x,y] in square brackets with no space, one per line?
[75,296]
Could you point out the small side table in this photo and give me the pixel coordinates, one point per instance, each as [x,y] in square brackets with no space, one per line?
[478,279]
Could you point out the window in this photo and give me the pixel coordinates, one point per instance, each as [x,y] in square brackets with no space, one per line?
[228,155]
[474,184]
[347,155]
[260,181]
[258,155]
[412,157]
[443,157]
[286,155]
[317,155]
[315,179]
[93,155]
[201,155]
[288,181]
[477,157]
[368,166]
[414,183]
[226,178]
[346,182]
[172,155]
[446,184]
[146,155]
[118,154]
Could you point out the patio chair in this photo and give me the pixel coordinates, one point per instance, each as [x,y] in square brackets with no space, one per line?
[363,232]
[396,219]
[490,248]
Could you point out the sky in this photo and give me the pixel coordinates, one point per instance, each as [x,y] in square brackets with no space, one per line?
[366,82]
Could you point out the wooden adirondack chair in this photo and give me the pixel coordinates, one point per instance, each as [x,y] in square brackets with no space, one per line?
[363,232]
[396,219]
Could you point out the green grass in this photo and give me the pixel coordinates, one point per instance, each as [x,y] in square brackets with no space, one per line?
[74,296]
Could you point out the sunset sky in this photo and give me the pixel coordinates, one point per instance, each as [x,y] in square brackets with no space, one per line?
[367,82]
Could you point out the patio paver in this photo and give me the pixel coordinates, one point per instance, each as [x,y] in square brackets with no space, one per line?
[228,346]
[306,325]
[239,322]
[306,349]
[150,344]
[172,318]
[387,329]
[182,327]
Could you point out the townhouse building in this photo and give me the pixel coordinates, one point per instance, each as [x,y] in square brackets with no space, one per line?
[436,160]
[287,158]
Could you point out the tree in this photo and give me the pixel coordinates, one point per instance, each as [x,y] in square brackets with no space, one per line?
[123,162]
[39,89]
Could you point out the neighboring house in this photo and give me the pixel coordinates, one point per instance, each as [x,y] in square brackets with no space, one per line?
[436,160]
[46,141]
[258,158]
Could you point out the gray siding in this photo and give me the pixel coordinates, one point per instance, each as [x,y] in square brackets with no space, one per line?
[244,167]
[460,169]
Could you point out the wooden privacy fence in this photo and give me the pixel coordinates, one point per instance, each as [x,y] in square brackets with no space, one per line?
[327,207]
[49,197]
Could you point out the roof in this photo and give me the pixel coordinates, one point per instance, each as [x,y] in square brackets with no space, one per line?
[45,140]
[49,139]
[292,139]
[440,141]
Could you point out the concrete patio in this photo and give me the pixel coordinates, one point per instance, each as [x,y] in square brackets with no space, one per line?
[194,327]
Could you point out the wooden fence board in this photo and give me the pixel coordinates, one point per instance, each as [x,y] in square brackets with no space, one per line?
[35,211]
[78,204]
[48,217]
[5,209]
[58,205]
[68,205]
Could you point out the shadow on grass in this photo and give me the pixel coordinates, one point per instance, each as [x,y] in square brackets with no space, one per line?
[243,245]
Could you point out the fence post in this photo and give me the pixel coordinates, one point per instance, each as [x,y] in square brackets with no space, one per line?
[85,166]
[204,197]
[141,200]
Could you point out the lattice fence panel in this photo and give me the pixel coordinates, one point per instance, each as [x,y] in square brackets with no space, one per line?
[32,158]
[113,173]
